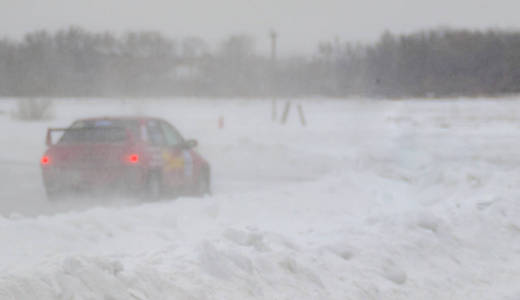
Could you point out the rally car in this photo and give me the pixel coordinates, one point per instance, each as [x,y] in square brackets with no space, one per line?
[141,156]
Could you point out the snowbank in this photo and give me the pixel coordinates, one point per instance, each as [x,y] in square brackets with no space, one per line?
[372,200]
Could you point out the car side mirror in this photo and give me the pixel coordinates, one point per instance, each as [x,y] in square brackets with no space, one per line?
[190,144]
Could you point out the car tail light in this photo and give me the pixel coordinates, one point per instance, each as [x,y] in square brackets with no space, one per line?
[133,158]
[45,160]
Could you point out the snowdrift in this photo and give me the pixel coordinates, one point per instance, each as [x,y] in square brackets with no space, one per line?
[372,200]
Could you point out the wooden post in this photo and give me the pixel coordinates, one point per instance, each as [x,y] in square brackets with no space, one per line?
[302,116]
[286,111]
[273,109]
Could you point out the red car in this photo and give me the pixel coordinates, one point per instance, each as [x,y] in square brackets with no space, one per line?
[140,156]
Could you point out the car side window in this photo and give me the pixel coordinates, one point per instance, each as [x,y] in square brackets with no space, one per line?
[173,138]
[155,134]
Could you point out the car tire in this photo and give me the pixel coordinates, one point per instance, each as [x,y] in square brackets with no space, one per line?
[153,189]
[203,185]
[54,195]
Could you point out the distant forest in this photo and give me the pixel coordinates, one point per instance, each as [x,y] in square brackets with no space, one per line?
[441,62]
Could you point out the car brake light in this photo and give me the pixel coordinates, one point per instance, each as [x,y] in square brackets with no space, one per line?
[45,160]
[133,158]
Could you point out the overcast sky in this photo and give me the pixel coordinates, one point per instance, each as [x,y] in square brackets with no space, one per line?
[301,23]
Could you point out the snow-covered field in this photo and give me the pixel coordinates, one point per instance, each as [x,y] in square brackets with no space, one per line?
[372,200]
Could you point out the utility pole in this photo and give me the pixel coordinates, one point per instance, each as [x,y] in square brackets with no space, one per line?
[274,36]
[274,73]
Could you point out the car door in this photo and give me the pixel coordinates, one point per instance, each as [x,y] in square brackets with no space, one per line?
[178,161]
[156,140]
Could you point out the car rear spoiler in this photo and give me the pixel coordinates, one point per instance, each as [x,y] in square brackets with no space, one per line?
[48,138]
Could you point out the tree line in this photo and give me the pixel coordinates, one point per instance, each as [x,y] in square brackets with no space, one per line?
[440,62]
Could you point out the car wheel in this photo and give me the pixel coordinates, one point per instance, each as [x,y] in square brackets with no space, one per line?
[203,186]
[153,190]
[54,195]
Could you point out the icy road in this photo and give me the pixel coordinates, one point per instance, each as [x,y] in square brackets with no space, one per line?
[372,200]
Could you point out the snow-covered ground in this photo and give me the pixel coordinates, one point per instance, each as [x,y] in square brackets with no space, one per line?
[372,200]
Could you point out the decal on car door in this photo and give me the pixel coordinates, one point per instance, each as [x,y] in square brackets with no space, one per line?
[172,162]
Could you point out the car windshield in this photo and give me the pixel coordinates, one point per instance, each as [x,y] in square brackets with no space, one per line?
[93,135]
[99,131]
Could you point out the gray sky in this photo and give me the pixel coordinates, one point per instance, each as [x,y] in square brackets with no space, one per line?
[301,23]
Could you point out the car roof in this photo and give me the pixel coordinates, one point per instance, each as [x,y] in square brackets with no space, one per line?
[121,118]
